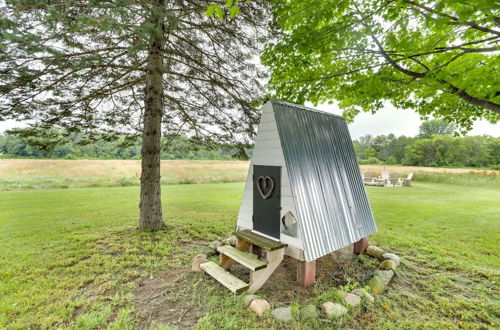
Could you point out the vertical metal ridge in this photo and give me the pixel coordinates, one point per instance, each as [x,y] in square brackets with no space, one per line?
[331,202]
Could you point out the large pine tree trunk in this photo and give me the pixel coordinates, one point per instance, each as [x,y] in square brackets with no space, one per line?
[150,204]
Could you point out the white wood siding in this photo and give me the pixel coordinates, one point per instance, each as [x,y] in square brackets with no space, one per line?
[267,151]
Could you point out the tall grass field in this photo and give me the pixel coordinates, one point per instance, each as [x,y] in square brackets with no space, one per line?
[72,257]
[40,173]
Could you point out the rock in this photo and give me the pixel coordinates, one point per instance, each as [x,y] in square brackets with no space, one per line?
[393,257]
[195,266]
[282,314]
[214,245]
[385,275]
[333,310]
[376,285]
[206,250]
[350,299]
[201,255]
[231,240]
[387,264]
[375,251]
[248,298]
[363,294]
[259,306]
[308,312]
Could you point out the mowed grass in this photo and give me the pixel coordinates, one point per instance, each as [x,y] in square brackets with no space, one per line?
[73,258]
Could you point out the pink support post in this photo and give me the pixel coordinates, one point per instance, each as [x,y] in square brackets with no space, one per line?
[306,272]
[360,246]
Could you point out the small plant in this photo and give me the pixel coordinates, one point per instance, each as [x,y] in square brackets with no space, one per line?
[349,287]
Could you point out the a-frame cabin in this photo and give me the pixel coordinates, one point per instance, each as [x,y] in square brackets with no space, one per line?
[304,195]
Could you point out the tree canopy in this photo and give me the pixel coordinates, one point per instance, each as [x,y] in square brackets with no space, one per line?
[439,58]
[435,127]
[435,150]
[182,147]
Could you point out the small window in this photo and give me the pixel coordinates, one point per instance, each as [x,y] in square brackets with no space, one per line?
[288,220]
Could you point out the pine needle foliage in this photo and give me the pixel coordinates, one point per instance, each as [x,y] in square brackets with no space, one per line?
[82,65]
[114,67]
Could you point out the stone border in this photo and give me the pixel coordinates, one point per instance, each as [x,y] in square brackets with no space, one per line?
[387,268]
[377,284]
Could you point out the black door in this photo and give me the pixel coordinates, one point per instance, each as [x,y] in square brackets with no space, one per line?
[267,199]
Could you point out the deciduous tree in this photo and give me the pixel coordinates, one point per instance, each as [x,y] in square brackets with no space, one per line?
[436,126]
[439,58]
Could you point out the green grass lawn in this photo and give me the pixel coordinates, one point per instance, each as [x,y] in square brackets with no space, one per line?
[73,258]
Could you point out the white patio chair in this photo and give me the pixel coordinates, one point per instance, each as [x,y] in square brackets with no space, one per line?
[407,181]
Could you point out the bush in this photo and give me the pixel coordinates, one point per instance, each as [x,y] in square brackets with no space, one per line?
[391,161]
[370,161]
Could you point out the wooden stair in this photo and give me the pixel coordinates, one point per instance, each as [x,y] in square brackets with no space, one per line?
[224,277]
[260,270]
[258,240]
[248,260]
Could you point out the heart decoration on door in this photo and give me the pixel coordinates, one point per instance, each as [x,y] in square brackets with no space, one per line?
[265,184]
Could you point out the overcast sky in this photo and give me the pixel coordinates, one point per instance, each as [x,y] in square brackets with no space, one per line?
[389,120]
[399,122]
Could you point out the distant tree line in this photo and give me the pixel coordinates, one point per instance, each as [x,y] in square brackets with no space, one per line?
[433,146]
[181,147]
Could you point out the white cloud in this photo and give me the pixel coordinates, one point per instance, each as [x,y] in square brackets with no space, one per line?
[8,124]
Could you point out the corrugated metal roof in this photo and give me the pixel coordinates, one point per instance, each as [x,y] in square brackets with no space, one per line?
[332,207]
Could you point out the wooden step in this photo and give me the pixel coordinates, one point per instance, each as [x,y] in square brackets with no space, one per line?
[256,239]
[248,260]
[225,278]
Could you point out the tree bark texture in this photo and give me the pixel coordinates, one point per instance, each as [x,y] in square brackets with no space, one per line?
[151,217]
